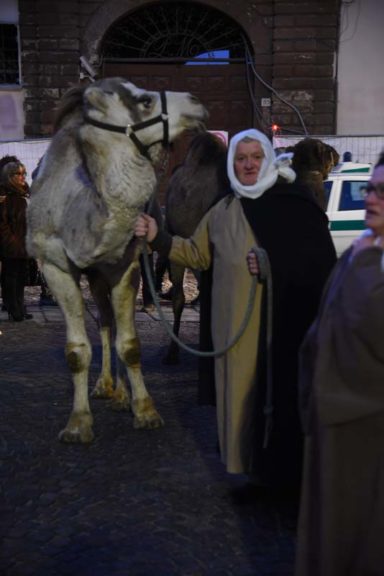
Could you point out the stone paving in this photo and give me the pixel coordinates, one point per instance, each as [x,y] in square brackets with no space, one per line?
[134,502]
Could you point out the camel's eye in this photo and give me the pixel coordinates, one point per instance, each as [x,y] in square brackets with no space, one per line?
[145,101]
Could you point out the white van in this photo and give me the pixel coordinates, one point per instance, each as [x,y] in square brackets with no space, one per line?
[345,210]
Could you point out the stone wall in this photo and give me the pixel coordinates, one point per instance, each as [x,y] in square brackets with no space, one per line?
[294,43]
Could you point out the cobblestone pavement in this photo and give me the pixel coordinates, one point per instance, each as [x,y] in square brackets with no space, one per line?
[134,502]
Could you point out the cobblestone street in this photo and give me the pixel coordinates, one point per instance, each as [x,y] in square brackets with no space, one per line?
[134,502]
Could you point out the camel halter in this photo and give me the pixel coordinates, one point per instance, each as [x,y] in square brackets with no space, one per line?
[130,129]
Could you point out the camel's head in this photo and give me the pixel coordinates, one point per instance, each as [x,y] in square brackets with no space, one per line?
[312,154]
[146,117]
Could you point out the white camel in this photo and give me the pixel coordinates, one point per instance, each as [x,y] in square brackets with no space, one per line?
[96,176]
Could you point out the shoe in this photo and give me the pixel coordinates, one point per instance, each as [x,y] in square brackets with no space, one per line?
[28,316]
[149,308]
[249,494]
[15,318]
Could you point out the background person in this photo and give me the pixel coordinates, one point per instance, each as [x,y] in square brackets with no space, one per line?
[13,228]
[264,209]
[3,161]
[341,523]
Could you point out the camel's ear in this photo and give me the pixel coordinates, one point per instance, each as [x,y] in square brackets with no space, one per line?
[96,98]
[321,150]
[335,156]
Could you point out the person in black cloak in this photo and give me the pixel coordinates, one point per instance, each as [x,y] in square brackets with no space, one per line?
[292,229]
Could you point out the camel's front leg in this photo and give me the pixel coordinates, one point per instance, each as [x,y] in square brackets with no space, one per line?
[77,352]
[128,348]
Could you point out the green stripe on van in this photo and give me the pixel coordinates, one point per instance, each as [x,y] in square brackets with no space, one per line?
[354,170]
[338,225]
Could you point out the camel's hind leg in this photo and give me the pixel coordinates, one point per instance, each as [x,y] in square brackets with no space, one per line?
[104,385]
[105,388]
[121,399]
[118,394]
[77,352]
[128,348]
[100,292]
[178,303]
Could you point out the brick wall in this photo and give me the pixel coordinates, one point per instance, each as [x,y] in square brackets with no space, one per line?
[304,44]
[50,42]
[293,42]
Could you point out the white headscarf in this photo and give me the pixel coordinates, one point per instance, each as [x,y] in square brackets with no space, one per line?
[272,166]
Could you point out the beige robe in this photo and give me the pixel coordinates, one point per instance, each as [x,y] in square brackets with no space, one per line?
[224,238]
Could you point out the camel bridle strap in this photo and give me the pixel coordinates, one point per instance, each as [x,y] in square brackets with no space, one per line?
[130,129]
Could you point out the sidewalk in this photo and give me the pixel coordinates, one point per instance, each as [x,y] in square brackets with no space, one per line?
[134,502]
[52,314]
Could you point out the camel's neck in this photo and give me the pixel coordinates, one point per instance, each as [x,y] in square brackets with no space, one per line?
[123,177]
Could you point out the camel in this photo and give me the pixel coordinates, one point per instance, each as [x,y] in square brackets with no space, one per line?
[195,186]
[95,178]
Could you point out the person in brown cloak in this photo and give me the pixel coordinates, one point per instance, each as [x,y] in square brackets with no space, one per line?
[341,523]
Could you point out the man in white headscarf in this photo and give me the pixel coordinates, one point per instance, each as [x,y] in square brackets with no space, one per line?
[263,208]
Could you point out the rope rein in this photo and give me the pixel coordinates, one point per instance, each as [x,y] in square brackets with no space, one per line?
[265,276]
[202,353]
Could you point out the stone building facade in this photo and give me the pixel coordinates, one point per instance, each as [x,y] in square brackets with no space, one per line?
[283,74]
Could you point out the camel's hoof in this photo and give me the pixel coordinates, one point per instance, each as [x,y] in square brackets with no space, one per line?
[148,421]
[120,401]
[103,389]
[119,405]
[100,394]
[146,415]
[84,436]
[78,429]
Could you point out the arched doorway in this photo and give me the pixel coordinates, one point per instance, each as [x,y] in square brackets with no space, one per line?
[184,46]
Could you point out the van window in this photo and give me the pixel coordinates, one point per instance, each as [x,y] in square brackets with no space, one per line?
[352,197]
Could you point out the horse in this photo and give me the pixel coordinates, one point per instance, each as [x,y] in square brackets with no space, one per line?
[312,161]
[95,178]
[194,187]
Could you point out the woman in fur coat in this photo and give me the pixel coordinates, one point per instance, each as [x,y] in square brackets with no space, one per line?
[14,192]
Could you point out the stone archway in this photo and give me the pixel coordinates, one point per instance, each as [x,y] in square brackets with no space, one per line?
[256,25]
[184,46]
